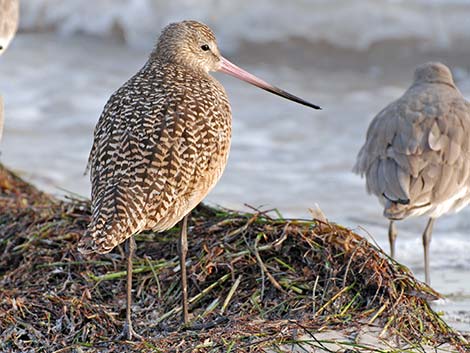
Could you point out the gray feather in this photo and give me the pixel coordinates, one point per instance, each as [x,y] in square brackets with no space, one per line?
[418,146]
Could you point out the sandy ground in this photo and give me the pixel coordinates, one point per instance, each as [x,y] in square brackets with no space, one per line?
[366,340]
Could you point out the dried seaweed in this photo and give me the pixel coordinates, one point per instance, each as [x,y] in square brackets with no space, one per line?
[256,284]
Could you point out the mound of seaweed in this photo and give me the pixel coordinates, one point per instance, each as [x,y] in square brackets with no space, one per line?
[256,284]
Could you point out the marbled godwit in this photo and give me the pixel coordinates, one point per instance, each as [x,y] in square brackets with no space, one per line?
[161,144]
[9,13]
[416,158]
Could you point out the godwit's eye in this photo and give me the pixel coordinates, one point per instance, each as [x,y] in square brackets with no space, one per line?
[205,47]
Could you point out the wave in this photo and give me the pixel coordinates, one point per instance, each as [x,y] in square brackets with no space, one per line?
[355,24]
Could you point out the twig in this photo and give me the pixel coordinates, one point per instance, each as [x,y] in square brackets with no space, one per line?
[230,294]
[264,269]
[155,276]
[333,298]
[194,299]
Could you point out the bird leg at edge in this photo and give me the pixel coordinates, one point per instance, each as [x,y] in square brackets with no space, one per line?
[183,250]
[426,242]
[127,331]
[392,236]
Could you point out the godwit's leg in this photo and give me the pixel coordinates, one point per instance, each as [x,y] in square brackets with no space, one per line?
[392,236]
[127,331]
[183,250]
[426,242]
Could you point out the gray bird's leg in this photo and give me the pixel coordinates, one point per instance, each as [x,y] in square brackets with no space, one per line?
[426,242]
[127,331]
[392,236]
[183,250]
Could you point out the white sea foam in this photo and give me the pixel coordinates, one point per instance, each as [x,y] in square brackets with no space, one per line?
[347,23]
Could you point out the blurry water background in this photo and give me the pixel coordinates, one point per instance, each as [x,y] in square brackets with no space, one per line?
[352,57]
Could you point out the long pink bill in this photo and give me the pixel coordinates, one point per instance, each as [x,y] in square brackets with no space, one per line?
[233,70]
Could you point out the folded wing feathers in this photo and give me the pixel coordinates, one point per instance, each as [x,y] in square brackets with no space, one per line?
[418,147]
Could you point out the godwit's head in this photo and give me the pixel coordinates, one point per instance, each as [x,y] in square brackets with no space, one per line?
[189,43]
[193,44]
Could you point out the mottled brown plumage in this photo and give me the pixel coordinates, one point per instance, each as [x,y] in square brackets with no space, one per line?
[161,144]
[416,158]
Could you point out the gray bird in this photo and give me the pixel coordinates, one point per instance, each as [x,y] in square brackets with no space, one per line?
[416,157]
[161,144]
[9,14]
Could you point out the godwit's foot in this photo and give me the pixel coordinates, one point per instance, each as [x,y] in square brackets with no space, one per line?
[128,333]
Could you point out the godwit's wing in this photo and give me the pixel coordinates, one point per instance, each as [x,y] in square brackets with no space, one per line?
[155,147]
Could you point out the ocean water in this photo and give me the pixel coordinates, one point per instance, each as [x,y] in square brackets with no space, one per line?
[68,59]
[349,23]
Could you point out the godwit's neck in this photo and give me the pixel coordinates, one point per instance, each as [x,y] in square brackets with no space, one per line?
[172,68]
